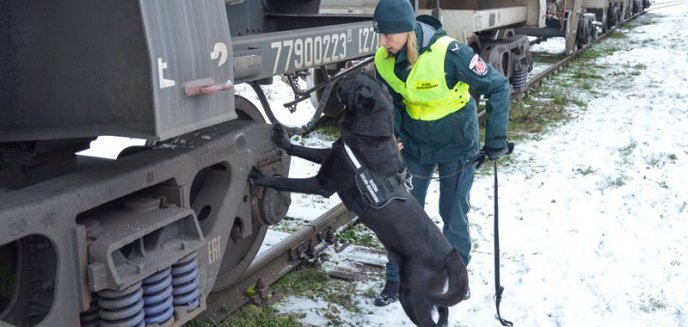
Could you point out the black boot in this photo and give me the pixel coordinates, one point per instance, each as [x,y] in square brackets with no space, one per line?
[390,294]
[443,313]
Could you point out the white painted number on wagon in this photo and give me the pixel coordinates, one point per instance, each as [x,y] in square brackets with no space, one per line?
[214,251]
[309,51]
[164,82]
[367,40]
[220,51]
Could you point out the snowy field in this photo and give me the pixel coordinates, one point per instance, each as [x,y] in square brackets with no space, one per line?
[593,213]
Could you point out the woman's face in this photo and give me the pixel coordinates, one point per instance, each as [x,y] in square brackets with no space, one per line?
[393,42]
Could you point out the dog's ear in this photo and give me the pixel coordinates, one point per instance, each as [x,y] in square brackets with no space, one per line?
[365,97]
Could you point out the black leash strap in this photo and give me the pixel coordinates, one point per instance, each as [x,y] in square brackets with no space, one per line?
[498,287]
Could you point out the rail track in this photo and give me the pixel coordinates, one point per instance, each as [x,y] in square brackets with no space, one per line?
[302,246]
[308,242]
[538,79]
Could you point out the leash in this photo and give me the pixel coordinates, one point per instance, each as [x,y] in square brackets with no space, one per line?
[499,289]
[479,159]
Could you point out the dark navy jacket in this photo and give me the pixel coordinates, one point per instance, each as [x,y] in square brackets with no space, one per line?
[454,137]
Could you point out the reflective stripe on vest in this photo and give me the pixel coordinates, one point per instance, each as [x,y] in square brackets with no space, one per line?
[425,93]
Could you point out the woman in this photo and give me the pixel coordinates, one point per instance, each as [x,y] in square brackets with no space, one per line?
[428,75]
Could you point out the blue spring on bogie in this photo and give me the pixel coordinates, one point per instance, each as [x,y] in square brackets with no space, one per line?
[121,308]
[90,317]
[157,298]
[185,283]
[519,79]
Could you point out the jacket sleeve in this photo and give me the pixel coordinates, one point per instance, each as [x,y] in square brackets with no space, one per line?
[462,64]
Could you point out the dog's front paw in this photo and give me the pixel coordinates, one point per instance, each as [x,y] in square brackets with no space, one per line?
[280,137]
[256,176]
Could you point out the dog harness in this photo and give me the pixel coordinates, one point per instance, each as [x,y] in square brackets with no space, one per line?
[377,191]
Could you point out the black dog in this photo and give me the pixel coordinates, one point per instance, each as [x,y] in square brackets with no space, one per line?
[370,182]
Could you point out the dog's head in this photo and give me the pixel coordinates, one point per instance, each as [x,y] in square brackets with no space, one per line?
[369,109]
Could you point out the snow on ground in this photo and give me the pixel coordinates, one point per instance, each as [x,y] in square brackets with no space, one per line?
[593,213]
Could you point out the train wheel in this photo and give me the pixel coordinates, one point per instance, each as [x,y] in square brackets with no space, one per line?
[247,111]
[240,251]
[612,13]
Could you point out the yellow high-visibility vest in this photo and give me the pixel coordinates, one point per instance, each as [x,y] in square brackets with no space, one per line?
[425,93]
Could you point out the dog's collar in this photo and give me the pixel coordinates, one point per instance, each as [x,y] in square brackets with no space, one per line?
[377,191]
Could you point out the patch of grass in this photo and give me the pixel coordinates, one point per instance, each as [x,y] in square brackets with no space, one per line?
[370,292]
[361,235]
[547,58]
[200,323]
[586,171]
[652,304]
[585,85]
[302,281]
[627,151]
[344,294]
[653,162]
[580,103]
[309,282]
[329,131]
[635,70]
[535,114]
[618,182]
[259,316]
[617,34]
[596,52]
[586,75]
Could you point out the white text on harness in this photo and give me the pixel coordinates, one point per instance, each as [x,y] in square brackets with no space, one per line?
[370,186]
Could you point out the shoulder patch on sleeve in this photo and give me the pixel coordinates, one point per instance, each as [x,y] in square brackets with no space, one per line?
[454,46]
[478,66]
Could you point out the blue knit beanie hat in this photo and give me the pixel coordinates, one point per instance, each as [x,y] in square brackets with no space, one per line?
[394,16]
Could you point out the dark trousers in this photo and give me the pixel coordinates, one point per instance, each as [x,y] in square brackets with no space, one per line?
[454,203]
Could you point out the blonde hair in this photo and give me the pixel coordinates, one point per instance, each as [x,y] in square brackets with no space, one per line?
[412,48]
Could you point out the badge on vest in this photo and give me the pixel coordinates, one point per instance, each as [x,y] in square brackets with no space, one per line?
[426,85]
[478,66]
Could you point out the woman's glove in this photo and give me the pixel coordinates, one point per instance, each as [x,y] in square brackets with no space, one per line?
[496,153]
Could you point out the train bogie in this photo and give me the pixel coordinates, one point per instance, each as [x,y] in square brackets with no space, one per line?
[145,237]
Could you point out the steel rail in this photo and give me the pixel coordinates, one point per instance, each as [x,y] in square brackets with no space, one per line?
[536,80]
[561,64]
[302,246]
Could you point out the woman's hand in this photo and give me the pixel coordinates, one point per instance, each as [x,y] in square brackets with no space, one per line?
[400,144]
